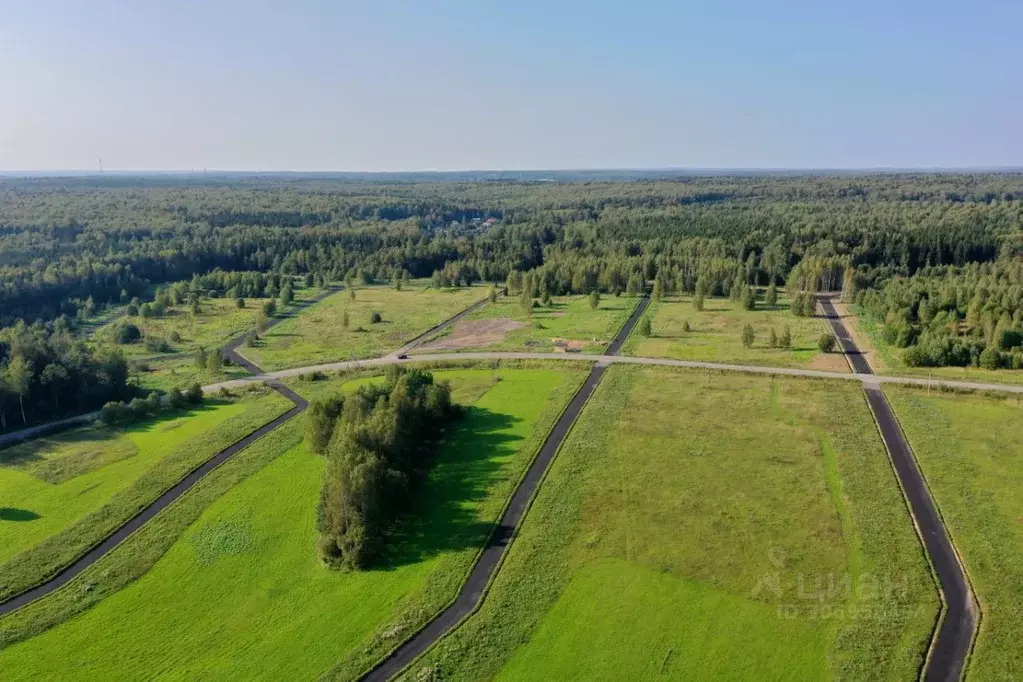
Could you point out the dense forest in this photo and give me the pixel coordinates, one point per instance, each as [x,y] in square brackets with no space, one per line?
[378,443]
[934,257]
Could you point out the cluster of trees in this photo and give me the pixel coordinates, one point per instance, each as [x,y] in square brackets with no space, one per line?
[379,443]
[47,371]
[120,413]
[748,336]
[71,246]
[953,316]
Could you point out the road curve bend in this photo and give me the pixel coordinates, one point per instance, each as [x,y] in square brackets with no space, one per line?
[474,589]
[952,639]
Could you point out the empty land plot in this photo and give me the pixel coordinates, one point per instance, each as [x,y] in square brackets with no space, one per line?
[715,334]
[163,374]
[242,594]
[971,451]
[318,334]
[707,527]
[569,323]
[218,321]
[60,495]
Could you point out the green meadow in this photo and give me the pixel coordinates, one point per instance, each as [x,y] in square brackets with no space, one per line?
[715,334]
[505,326]
[706,526]
[231,571]
[972,457]
[317,335]
[60,495]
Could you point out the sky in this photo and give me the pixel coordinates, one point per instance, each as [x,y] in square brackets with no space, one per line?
[388,85]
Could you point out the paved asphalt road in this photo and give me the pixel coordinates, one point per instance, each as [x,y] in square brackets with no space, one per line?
[953,640]
[489,560]
[951,644]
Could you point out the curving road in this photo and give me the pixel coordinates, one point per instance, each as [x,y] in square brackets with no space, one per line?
[952,639]
[475,587]
[950,644]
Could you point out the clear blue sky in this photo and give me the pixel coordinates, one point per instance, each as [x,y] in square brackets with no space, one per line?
[391,85]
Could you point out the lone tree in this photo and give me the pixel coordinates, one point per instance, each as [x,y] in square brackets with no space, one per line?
[645,327]
[772,338]
[771,295]
[749,299]
[785,340]
[345,320]
[826,342]
[594,299]
[698,302]
[748,336]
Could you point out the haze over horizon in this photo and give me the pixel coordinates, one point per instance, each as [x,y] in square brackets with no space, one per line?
[455,86]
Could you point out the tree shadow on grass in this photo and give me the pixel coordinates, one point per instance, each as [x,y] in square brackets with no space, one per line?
[13,514]
[444,517]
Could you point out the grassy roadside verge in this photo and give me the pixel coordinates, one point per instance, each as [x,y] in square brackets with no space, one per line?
[36,564]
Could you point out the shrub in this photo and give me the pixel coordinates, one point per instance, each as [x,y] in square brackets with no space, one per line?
[685,326]
[990,358]
[194,394]
[239,302]
[375,318]
[748,336]
[645,327]
[157,344]
[826,342]
[176,399]
[785,340]
[175,337]
[127,333]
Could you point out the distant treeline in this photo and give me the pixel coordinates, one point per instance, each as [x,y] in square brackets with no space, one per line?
[379,443]
[76,244]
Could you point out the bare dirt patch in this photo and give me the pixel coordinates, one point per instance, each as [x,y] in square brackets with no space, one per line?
[829,362]
[474,334]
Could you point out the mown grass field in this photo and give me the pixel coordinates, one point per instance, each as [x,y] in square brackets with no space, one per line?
[242,595]
[971,451]
[715,334]
[60,495]
[316,335]
[887,359]
[569,318]
[701,526]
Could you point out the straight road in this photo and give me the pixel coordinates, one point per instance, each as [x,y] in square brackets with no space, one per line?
[489,560]
[611,359]
[950,645]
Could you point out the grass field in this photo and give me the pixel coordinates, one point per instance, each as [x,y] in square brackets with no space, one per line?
[886,359]
[242,595]
[167,373]
[61,494]
[715,334]
[218,322]
[972,455]
[569,318]
[317,335]
[707,527]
